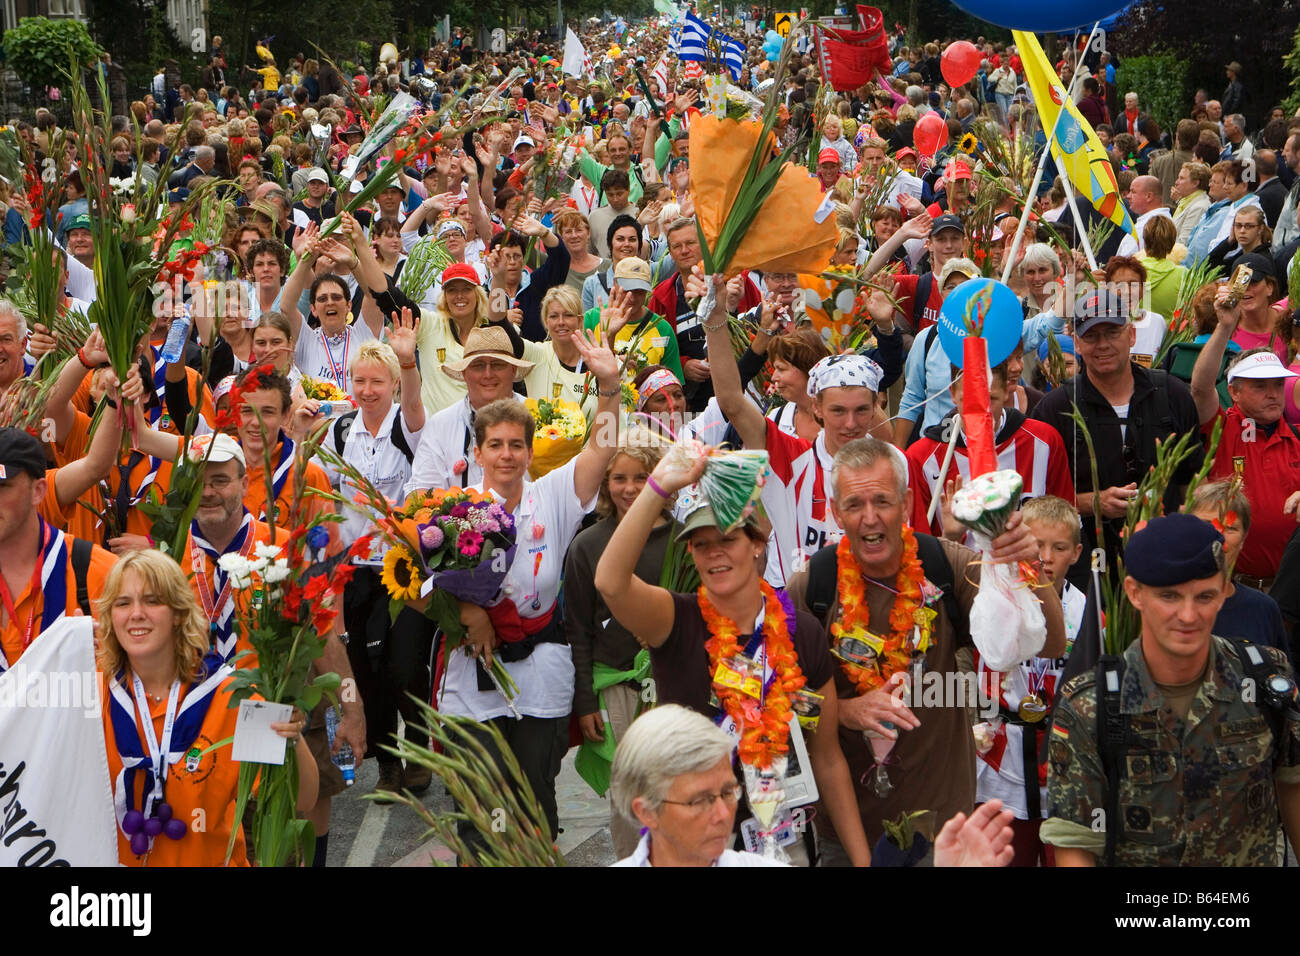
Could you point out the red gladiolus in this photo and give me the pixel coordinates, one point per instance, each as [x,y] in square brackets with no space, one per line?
[361,546]
[315,588]
[342,575]
[323,620]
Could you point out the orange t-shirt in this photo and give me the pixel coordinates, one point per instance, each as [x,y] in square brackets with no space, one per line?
[200,790]
[28,605]
[312,505]
[75,443]
[261,532]
[83,521]
[198,390]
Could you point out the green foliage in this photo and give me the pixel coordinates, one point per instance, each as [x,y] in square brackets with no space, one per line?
[1161,82]
[38,48]
[1292,63]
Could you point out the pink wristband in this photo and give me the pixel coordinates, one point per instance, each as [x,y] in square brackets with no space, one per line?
[654,486]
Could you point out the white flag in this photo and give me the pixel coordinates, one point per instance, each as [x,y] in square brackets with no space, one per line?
[56,801]
[576,62]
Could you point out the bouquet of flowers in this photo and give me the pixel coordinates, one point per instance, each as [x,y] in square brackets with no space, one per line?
[285,612]
[429,256]
[732,481]
[559,435]
[444,546]
[334,401]
[985,505]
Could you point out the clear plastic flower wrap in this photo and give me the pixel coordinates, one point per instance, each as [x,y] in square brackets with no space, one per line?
[732,481]
[985,505]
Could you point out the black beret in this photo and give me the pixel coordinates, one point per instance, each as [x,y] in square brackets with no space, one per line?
[1174,549]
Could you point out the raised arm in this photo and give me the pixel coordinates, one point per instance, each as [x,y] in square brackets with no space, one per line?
[299,279]
[1206,371]
[480,200]
[589,471]
[402,337]
[644,609]
[918,227]
[740,411]
[59,408]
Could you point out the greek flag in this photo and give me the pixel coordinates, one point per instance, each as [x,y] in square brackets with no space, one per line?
[700,43]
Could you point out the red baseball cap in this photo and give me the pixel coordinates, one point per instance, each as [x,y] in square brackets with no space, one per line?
[460,270]
[905,151]
[828,155]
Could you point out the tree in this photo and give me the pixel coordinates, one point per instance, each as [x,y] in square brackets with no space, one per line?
[1207,36]
[38,49]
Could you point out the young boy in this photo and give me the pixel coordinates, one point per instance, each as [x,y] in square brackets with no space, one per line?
[1011,741]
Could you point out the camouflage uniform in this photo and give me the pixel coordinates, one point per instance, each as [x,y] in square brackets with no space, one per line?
[1198,792]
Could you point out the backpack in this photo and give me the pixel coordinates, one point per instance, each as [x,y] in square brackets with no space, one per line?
[1115,737]
[1181,359]
[823,577]
[80,555]
[343,427]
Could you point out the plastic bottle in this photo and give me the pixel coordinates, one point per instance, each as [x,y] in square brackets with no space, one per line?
[326,409]
[343,759]
[174,347]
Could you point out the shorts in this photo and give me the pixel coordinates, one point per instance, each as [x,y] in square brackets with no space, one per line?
[331,778]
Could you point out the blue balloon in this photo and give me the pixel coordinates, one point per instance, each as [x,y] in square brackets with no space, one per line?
[772,35]
[1002,325]
[1061,16]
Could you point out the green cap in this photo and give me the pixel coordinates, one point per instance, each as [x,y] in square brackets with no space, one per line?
[703,517]
[78,222]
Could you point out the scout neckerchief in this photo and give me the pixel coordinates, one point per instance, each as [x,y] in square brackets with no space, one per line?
[221,608]
[125,497]
[281,473]
[338,370]
[180,729]
[51,577]
[159,385]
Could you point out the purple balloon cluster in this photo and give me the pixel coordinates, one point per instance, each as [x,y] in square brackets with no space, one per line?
[142,831]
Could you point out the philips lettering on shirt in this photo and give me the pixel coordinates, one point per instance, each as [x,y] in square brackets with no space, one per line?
[75,909]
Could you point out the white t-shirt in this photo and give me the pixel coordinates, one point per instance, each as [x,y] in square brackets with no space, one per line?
[1121,412]
[1150,334]
[319,356]
[380,461]
[548,516]
[1000,773]
[641,857]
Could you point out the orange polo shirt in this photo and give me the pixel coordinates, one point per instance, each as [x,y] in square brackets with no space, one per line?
[32,605]
[84,521]
[261,532]
[203,797]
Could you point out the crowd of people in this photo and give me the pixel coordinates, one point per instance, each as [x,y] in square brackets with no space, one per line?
[591,296]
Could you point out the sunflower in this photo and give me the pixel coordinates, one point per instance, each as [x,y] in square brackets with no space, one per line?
[969,144]
[401,575]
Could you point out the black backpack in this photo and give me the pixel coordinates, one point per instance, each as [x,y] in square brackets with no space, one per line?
[1115,737]
[823,576]
[344,425]
[80,555]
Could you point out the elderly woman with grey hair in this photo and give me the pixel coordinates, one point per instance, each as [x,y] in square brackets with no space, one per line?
[673,773]
[1037,273]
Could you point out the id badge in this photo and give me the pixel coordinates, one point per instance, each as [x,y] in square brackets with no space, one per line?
[785,833]
[738,674]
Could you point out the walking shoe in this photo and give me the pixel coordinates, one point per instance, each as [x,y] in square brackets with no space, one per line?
[417,778]
[390,780]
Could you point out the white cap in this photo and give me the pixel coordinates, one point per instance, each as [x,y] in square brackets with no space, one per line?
[522,140]
[224,448]
[318,175]
[1260,365]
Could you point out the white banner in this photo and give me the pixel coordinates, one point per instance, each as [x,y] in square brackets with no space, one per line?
[56,802]
[575,56]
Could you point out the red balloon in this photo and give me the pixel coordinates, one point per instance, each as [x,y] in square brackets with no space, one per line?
[930,134]
[960,62]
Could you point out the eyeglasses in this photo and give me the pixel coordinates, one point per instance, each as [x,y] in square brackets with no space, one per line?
[730,796]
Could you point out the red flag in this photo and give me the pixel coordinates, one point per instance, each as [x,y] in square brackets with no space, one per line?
[846,66]
[976,420]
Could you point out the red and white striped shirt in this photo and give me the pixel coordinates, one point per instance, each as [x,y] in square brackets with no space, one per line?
[1032,448]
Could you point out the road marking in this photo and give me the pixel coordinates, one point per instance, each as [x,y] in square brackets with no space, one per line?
[366,843]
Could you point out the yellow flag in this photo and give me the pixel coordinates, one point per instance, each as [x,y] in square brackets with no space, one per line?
[1075,147]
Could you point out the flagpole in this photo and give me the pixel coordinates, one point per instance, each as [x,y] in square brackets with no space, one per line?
[1010,262]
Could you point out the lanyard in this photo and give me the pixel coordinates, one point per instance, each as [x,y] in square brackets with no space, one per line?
[338,370]
[33,588]
[213,606]
[157,754]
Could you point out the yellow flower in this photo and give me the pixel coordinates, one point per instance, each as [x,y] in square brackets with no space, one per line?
[401,574]
[968,144]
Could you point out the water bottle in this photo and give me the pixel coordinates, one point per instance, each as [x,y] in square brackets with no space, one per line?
[343,759]
[326,410]
[174,347]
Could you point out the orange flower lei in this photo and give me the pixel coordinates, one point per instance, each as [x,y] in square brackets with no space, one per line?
[893,652]
[765,726]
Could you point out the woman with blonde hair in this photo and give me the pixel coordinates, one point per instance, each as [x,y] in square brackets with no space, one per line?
[155,653]
[557,371]
[609,663]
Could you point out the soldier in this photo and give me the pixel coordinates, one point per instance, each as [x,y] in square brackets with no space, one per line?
[1206,730]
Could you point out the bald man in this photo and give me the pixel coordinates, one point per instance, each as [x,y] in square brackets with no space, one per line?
[1145,202]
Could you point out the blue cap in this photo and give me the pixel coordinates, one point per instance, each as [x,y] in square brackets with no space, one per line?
[1101,305]
[180,194]
[1064,341]
[1173,549]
